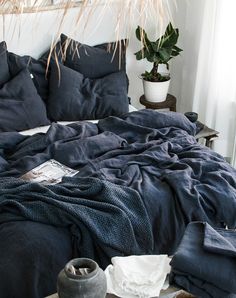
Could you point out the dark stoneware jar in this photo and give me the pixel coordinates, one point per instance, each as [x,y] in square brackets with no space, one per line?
[192,116]
[87,281]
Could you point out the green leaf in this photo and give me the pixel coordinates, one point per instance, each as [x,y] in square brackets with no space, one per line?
[145,53]
[165,54]
[151,57]
[175,51]
[174,54]
[170,38]
[175,48]
[138,32]
[140,55]
[169,29]
[155,45]
[142,36]
[149,76]
[160,51]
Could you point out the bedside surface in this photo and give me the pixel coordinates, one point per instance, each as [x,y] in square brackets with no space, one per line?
[169,103]
[171,292]
[206,133]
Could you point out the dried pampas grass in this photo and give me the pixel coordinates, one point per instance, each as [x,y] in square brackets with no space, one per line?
[141,9]
[142,12]
[128,13]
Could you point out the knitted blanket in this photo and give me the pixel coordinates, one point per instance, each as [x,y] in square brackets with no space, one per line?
[142,178]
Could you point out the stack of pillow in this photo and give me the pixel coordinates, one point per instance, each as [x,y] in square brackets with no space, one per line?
[82,83]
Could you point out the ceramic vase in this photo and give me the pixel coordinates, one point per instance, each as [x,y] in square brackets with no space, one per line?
[81,278]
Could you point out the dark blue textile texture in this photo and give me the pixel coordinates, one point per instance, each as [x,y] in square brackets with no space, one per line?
[32,255]
[142,178]
[73,97]
[205,261]
[21,107]
[80,202]
[37,67]
[94,61]
[4,69]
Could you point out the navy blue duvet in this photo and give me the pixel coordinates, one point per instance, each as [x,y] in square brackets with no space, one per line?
[205,262]
[142,178]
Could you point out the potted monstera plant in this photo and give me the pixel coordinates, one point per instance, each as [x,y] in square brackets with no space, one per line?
[158,52]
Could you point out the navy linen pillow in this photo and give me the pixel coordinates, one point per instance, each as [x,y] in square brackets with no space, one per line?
[36,67]
[4,69]
[74,97]
[94,62]
[20,105]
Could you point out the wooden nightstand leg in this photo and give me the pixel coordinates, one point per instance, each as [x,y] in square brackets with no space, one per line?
[209,142]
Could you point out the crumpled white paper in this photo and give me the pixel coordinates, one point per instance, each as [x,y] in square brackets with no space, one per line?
[137,276]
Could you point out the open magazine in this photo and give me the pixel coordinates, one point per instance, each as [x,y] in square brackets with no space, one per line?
[49,172]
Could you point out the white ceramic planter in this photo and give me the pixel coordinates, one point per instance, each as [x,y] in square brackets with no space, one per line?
[155,91]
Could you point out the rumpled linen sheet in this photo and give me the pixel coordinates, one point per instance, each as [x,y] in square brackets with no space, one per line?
[205,262]
[142,178]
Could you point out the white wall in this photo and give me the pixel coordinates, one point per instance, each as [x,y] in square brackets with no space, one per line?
[24,38]
[32,34]
[188,18]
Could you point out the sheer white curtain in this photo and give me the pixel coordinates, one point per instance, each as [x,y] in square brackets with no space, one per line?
[208,67]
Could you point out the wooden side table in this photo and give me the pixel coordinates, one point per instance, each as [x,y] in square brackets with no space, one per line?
[206,133]
[169,103]
[171,292]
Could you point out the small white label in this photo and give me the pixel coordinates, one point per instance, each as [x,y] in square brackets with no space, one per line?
[32,76]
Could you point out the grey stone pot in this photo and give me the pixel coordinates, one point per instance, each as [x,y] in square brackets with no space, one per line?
[90,284]
[191,116]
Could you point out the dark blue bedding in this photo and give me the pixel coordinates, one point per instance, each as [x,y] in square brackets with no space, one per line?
[205,262]
[142,178]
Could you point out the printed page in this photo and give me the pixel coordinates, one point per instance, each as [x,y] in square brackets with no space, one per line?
[49,172]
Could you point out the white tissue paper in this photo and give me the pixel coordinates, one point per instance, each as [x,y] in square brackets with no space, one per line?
[137,276]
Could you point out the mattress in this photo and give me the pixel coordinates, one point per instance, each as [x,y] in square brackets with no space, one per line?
[44,129]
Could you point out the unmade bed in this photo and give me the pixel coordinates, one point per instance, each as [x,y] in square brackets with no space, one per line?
[142,177]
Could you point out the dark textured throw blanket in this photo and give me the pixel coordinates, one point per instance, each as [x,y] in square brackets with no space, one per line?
[205,262]
[82,202]
[142,178]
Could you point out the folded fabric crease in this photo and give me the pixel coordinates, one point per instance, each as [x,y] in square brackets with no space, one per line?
[205,262]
